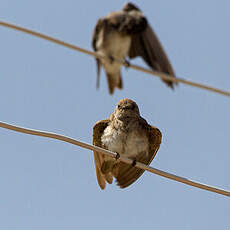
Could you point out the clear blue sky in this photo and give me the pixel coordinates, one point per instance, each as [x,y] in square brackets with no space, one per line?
[46,184]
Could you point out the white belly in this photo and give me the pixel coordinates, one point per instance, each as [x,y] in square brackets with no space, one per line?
[129,145]
[116,46]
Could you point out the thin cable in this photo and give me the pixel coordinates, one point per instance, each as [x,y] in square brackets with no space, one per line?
[113,155]
[136,67]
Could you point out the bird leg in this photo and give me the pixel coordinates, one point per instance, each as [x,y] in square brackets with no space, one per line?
[126,63]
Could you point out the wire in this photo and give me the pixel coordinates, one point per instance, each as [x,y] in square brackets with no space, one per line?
[103,151]
[113,155]
[136,67]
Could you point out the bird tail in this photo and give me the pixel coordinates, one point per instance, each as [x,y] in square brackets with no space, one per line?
[98,72]
[114,80]
[106,169]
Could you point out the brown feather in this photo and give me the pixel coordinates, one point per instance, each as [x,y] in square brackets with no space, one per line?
[109,178]
[120,83]
[148,46]
[112,84]
[97,29]
[98,130]
[98,72]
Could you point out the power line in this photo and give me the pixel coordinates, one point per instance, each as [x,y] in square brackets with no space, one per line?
[113,155]
[136,67]
[103,151]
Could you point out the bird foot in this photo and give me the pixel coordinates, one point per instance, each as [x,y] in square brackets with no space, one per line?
[111,59]
[117,156]
[134,163]
[126,63]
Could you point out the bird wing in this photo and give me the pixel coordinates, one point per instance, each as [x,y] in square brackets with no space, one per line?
[98,130]
[99,26]
[97,29]
[147,45]
[128,174]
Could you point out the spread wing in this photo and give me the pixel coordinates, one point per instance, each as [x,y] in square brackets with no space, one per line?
[147,45]
[127,173]
[98,130]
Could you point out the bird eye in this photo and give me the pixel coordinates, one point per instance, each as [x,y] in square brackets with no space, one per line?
[133,107]
[118,106]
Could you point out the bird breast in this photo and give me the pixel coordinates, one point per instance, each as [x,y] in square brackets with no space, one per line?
[114,44]
[129,144]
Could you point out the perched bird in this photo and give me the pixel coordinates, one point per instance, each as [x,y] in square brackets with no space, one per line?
[127,33]
[127,134]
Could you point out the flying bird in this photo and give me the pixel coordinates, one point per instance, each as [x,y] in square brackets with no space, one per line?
[127,134]
[127,33]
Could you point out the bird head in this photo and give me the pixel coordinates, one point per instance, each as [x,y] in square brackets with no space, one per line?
[126,109]
[129,7]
